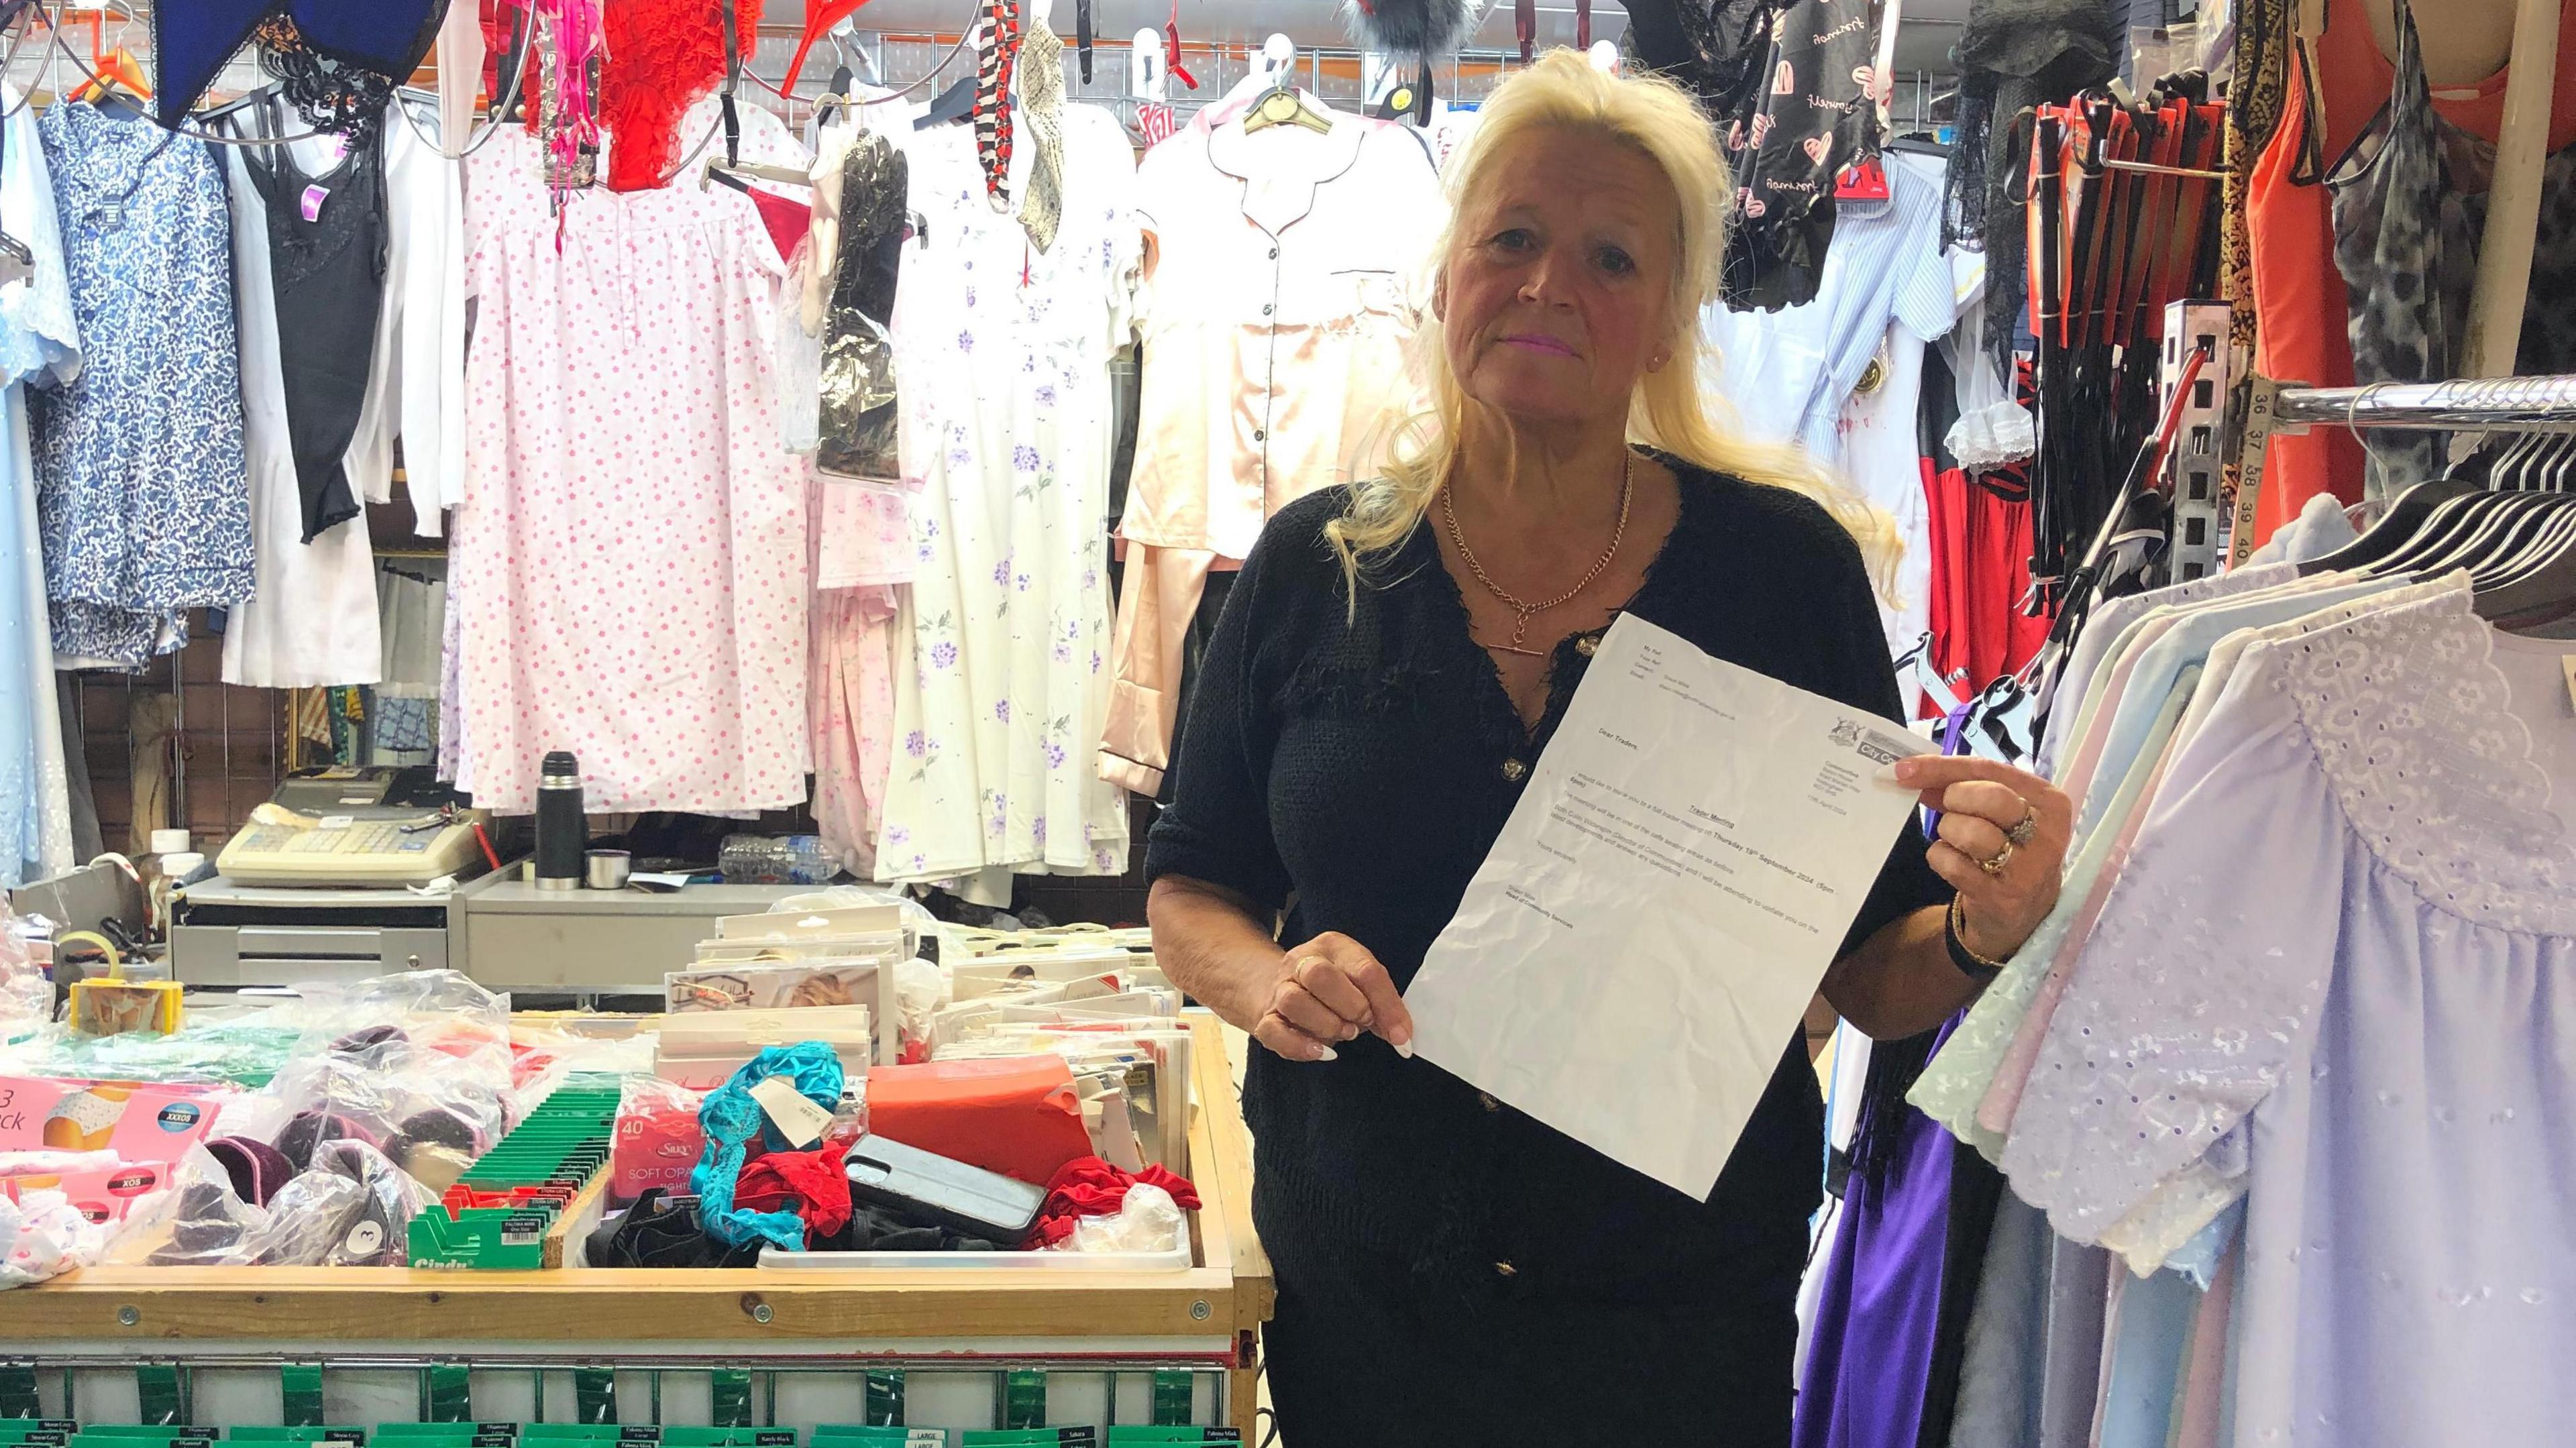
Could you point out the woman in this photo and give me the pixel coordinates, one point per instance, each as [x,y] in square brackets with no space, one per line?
[1391,665]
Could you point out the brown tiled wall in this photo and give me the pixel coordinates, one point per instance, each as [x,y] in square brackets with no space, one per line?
[228,742]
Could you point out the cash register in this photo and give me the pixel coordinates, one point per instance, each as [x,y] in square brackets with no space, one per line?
[332,879]
[357,825]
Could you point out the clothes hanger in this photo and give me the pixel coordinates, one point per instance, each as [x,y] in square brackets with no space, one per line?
[2450,526]
[2405,519]
[117,72]
[2533,554]
[958,101]
[2542,594]
[2515,540]
[1281,104]
[738,173]
[245,101]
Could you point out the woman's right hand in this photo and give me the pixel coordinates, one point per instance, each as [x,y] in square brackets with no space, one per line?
[1330,990]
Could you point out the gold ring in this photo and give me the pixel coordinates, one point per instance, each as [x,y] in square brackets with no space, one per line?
[2023,833]
[2002,858]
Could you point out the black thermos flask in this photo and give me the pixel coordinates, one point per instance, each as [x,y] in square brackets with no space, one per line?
[562,833]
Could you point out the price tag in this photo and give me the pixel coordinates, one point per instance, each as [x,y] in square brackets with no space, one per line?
[312,200]
[797,1119]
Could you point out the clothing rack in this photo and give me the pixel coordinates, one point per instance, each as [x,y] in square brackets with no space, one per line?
[2524,404]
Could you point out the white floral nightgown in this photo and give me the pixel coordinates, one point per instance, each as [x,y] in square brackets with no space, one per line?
[1002,356]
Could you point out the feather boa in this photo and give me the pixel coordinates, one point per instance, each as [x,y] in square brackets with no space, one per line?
[1411,27]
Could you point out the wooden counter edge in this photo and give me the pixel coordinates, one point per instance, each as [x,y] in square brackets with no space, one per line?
[1223,1161]
[611,1305]
[1234,1290]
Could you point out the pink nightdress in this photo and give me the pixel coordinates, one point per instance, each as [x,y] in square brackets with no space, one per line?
[631,556]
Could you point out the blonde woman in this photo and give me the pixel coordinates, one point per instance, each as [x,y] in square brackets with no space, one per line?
[1387,673]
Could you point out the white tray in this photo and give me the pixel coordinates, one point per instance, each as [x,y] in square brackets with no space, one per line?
[1177,1260]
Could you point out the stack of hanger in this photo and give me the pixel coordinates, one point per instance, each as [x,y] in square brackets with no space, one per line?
[2506,513]
[2122,221]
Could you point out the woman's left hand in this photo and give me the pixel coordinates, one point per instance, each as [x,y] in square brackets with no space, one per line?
[2002,844]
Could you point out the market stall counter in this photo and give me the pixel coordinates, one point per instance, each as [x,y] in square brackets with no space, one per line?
[977,1344]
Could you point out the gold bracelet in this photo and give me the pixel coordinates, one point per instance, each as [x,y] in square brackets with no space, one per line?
[1958,941]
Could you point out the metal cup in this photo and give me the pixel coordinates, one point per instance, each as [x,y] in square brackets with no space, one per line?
[609,868]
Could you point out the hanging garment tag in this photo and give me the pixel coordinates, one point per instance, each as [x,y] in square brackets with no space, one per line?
[594,1395]
[312,201]
[302,1387]
[799,1120]
[18,1391]
[1174,1398]
[450,1387]
[729,1398]
[156,1390]
[1023,1400]
[885,1398]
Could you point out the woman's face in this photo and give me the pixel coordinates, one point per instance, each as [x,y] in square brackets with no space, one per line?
[1554,296]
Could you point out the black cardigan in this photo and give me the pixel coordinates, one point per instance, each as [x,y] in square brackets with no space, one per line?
[1357,774]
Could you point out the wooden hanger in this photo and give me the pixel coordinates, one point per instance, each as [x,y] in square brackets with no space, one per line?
[118,71]
[1284,106]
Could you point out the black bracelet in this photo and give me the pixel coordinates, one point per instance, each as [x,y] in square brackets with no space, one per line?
[1972,965]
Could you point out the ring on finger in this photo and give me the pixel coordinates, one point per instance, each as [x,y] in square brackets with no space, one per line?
[2002,858]
[2024,832]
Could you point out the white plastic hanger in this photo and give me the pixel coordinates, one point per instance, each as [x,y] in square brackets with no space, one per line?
[1276,65]
[1149,70]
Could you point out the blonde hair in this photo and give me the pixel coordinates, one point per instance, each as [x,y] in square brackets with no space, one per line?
[1563,91]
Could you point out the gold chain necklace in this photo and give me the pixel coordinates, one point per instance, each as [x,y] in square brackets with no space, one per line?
[1524,612]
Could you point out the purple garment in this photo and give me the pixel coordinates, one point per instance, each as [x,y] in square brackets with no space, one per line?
[1881,1302]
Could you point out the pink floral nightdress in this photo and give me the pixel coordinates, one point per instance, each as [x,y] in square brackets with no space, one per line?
[631,556]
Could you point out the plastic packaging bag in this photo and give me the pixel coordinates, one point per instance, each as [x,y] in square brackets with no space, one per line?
[432,1113]
[43,1236]
[199,1223]
[26,997]
[380,1233]
[657,1139]
[386,1021]
[1148,1221]
[310,1218]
